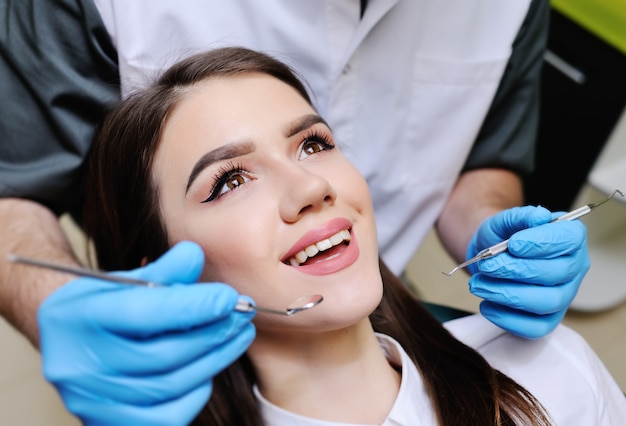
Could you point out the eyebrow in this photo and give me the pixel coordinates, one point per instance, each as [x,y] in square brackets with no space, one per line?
[238,149]
[304,123]
[226,152]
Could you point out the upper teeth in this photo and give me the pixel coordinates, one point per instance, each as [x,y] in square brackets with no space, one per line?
[310,251]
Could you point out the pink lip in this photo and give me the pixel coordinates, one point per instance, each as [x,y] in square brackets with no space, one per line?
[344,259]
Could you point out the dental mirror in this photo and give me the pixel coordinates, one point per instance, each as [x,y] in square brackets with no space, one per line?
[300,304]
[243,305]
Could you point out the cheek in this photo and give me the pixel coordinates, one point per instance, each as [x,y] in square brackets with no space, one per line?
[225,263]
[355,192]
[237,248]
[352,186]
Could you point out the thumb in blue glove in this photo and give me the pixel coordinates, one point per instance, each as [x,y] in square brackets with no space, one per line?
[122,354]
[528,289]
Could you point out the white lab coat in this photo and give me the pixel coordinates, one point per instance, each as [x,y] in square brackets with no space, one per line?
[405,89]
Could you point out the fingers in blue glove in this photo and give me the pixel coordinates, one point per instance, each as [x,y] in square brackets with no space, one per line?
[140,329]
[144,311]
[550,240]
[178,411]
[173,349]
[532,236]
[519,323]
[182,264]
[504,224]
[531,298]
[547,272]
[140,389]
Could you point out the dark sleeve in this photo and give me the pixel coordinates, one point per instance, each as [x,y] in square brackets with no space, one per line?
[58,72]
[508,134]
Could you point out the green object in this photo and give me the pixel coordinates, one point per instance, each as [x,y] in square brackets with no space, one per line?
[604,18]
[444,313]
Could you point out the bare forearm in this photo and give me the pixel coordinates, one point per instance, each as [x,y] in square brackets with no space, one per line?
[29,229]
[477,195]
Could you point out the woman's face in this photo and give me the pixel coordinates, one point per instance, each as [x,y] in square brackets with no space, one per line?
[248,170]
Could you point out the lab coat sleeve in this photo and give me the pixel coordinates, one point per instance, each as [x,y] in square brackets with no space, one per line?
[58,72]
[507,136]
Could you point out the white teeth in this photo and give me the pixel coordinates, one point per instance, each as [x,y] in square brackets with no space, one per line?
[337,238]
[311,250]
[322,245]
[301,257]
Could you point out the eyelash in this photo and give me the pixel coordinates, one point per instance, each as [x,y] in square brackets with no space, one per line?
[319,138]
[225,174]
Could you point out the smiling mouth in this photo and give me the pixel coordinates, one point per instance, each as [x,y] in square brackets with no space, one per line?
[300,258]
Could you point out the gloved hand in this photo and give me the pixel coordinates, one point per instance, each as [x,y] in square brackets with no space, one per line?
[528,289]
[123,354]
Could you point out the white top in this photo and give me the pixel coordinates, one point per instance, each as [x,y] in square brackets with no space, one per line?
[561,370]
[393,122]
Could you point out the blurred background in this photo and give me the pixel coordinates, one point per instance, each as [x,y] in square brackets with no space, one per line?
[581,159]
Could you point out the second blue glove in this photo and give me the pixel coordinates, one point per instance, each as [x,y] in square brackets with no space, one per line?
[528,289]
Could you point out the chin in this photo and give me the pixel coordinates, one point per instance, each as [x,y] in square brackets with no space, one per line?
[357,305]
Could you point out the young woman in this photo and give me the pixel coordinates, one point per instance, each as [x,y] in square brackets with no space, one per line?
[226,150]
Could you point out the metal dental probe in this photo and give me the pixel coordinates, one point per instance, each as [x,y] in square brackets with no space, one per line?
[243,305]
[503,245]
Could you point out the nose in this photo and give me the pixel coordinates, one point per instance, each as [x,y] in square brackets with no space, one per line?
[305,192]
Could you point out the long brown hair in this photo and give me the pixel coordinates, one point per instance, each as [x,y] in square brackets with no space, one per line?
[123,221]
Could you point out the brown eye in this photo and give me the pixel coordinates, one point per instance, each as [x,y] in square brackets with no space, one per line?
[314,145]
[235,181]
[228,180]
[312,148]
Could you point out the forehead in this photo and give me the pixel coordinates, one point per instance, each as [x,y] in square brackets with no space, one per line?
[230,106]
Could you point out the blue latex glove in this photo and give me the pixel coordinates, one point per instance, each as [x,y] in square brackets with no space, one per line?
[528,289]
[122,354]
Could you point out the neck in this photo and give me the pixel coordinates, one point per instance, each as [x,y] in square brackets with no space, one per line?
[311,373]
